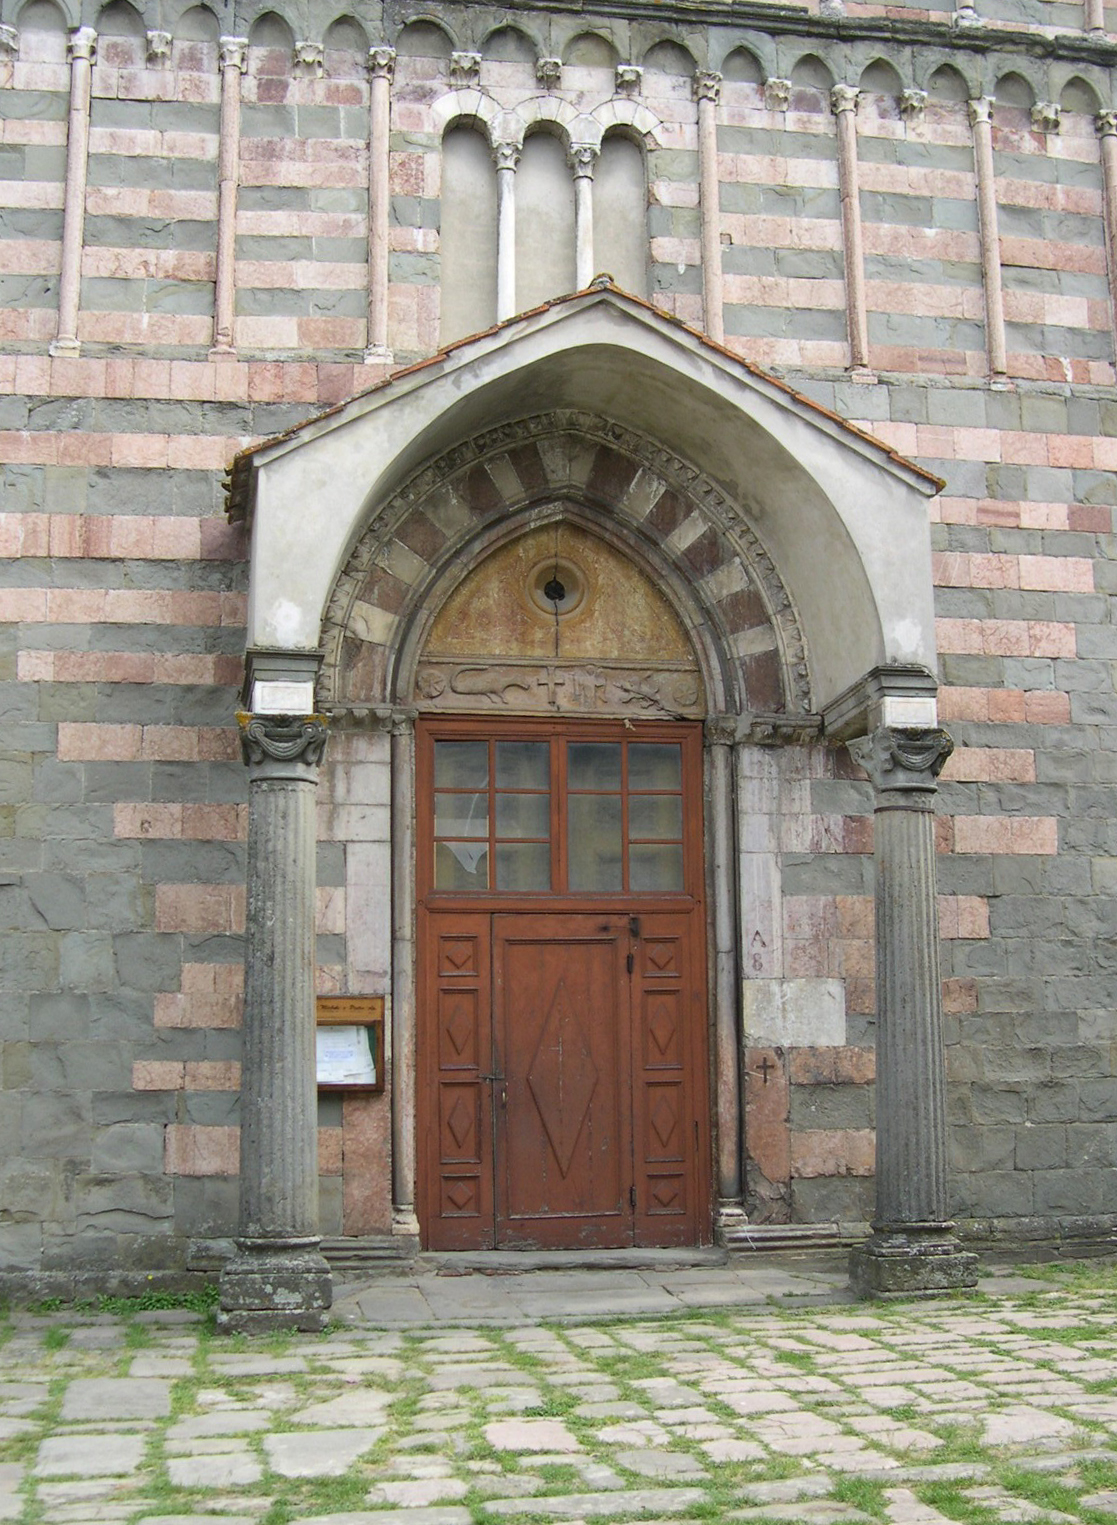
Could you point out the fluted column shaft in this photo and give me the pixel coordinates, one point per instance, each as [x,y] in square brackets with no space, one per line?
[233,60]
[981,119]
[279,1279]
[82,51]
[381,63]
[912,1249]
[707,89]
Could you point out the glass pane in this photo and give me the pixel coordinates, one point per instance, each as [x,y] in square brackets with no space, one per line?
[461,764]
[523,765]
[594,846]
[523,815]
[461,866]
[461,815]
[655,765]
[523,866]
[655,868]
[655,815]
[593,765]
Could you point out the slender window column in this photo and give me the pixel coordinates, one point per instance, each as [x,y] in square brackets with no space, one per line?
[233,60]
[404,1220]
[720,736]
[506,156]
[707,90]
[82,51]
[912,1249]
[583,158]
[1094,17]
[1105,123]
[843,103]
[279,1278]
[981,119]
[381,66]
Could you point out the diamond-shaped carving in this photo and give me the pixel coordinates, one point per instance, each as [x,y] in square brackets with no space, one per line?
[666,1192]
[459,1193]
[562,1077]
[662,1026]
[661,955]
[459,1028]
[663,1120]
[460,1121]
[458,953]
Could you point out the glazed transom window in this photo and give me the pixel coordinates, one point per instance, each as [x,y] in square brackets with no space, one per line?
[558,815]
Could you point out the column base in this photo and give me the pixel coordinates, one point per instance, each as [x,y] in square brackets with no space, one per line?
[378,354]
[64,349]
[911,1261]
[275,1284]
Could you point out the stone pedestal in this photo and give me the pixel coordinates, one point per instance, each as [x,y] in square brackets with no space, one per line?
[279,1279]
[912,1250]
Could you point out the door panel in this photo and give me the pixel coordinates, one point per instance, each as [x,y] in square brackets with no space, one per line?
[561,1018]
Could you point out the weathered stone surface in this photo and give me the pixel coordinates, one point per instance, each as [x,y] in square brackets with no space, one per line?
[117,1397]
[86,1455]
[530,1435]
[325,1453]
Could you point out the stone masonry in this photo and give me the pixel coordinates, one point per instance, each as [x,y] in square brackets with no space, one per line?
[123,800]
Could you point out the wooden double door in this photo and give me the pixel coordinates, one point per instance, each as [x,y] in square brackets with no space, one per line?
[562,1032]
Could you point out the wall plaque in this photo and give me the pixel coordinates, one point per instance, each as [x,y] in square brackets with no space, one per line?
[349,1043]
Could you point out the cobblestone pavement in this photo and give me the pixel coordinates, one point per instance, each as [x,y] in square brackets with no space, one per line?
[1001,1407]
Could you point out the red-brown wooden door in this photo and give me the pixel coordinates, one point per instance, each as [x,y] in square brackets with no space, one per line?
[562,1032]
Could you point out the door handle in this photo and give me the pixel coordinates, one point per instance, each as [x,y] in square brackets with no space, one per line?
[501,1081]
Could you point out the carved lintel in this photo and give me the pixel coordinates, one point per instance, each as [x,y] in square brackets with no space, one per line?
[1046,116]
[902,761]
[309,59]
[82,43]
[595,688]
[582,158]
[913,103]
[506,155]
[844,98]
[381,61]
[628,79]
[777,93]
[158,49]
[1105,124]
[233,53]
[282,738]
[465,70]
[9,42]
[707,85]
[548,71]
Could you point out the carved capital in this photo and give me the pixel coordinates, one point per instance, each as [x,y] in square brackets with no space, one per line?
[629,79]
[1046,116]
[913,103]
[720,730]
[9,42]
[582,158]
[506,155]
[844,98]
[548,71]
[777,93]
[282,739]
[233,54]
[158,48]
[1105,124]
[965,17]
[82,44]
[707,86]
[465,69]
[309,59]
[981,111]
[902,761]
[381,62]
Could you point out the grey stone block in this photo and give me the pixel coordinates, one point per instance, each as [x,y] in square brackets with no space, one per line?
[128,1148]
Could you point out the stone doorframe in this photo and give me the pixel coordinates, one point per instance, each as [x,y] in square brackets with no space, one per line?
[849,613]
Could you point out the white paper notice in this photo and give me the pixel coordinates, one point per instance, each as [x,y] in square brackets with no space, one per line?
[344,1056]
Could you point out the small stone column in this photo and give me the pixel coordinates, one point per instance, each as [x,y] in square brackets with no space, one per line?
[1105,125]
[232,60]
[912,1250]
[707,91]
[981,120]
[279,1278]
[843,103]
[381,66]
[583,158]
[720,733]
[82,50]
[506,156]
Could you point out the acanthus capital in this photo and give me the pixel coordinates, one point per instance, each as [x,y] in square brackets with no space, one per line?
[1105,124]
[899,760]
[707,85]
[844,98]
[233,53]
[282,739]
[82,44]
[381,62]
[506,155]
[9,41]
[981,110]
[582,158]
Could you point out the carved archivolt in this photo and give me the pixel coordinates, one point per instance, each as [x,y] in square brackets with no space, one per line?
[612,478]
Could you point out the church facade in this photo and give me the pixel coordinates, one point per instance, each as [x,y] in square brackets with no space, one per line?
[558,663]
